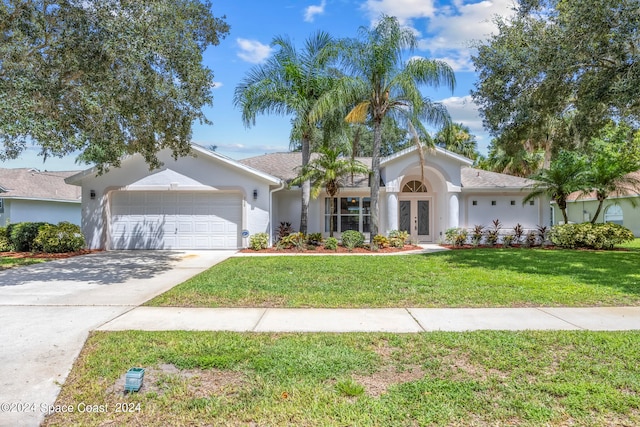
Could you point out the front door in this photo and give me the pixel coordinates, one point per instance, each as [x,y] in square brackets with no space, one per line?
[415,218]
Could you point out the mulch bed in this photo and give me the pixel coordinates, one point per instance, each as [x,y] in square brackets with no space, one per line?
[339,250]
[42,255]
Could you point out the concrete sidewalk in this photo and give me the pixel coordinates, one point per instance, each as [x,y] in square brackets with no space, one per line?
[402,320]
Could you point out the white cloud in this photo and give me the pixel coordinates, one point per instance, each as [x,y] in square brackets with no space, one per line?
[253,51]
[216,85]
[404,10]
[311,11]
[450,29]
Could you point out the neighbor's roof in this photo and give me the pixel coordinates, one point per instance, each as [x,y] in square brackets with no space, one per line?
[284,166]
[577,196]
[478,179]
[33,184]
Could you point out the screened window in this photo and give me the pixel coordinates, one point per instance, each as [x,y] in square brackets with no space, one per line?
[614,214]
[349,213]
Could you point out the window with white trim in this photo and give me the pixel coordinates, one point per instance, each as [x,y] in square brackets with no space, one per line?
[349,213]
[614,214]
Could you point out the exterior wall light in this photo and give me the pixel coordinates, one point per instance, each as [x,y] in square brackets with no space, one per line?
[92,194]
[255,194]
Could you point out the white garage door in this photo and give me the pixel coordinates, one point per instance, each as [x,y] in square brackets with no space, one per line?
[175,220]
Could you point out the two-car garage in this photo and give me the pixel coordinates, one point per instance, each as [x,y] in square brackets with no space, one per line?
[175,220]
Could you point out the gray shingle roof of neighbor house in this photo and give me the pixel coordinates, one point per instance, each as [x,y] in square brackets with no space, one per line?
[25,183]
[283,165]
[625,192]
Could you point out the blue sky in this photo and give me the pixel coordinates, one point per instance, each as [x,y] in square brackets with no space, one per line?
[445,30]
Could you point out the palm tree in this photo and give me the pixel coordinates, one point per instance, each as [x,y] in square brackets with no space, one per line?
[615,153]
[380,83]
[565,175]
[290,83]
[457,138]
[328,171]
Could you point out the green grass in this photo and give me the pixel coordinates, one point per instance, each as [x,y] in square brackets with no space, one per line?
[459,278]
[477,378]
[9,262]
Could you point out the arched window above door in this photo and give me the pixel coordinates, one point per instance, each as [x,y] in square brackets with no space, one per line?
[414,186]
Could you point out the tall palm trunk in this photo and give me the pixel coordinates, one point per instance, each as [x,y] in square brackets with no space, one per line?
[375,177]
[306,185]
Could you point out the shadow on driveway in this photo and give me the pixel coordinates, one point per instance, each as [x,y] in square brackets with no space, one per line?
[103,268]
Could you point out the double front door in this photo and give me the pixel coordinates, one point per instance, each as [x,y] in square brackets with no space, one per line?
[415,218]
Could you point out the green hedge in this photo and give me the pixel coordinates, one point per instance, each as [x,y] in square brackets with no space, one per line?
[22,236]
[352,239]
[5,245]
[64,237]
[587,235]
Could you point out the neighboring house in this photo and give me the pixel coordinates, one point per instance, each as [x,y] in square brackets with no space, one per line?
[40,196]
[209,201]
[618,209]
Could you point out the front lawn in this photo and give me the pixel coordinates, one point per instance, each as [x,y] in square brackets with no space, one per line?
[12,261]
[459,278]
[477,378]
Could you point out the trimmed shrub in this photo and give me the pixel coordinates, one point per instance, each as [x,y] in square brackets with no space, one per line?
[380,241]
[587,235]
[293,240]
[456,236]
[352,239]
[331,243]
[5,245]
[314,239]
[259,241]
[492,234]
[508,239]
[397,238]
[476,235]
[64,237]
[23,234]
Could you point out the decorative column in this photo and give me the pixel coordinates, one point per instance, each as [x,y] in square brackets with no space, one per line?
[454,210]
[392,211]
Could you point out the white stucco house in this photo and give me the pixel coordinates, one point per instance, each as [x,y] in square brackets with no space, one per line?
[209,201]
[38,196]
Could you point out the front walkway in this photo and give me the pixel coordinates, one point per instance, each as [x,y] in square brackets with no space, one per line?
[400,320]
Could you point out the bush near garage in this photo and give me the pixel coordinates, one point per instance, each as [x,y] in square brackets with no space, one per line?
[64,237]
[22,236]
[5,245]
[591,236]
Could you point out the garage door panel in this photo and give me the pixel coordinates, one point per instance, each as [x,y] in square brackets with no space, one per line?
[175,220]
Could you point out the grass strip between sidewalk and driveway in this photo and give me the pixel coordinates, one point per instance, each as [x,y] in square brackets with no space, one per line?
[9,262]
[458,278]
[439,378]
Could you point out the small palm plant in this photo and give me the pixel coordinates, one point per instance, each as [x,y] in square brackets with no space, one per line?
[327,172]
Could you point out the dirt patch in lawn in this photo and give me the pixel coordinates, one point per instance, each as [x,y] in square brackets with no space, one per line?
[199,383]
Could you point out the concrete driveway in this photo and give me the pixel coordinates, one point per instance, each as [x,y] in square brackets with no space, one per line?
[47,310]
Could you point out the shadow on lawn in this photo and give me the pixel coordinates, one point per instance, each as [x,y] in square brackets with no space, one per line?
[616,269]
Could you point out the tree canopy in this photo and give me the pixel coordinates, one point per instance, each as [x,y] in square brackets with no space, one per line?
[105,77]
[558,71]
[379,83]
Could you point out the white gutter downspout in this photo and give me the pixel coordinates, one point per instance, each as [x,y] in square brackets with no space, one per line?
[282,185]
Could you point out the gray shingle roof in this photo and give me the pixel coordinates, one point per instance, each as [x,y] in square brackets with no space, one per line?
[283,166]
[34,184]
[481,179]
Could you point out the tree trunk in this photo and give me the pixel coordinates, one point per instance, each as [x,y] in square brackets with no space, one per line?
[306,186]
[331,209]
[600,203]
[375,176]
